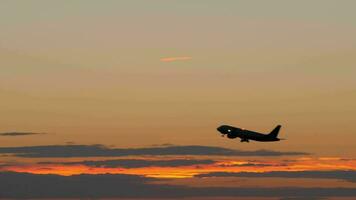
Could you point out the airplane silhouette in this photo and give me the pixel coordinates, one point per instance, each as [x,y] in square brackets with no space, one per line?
[246,135]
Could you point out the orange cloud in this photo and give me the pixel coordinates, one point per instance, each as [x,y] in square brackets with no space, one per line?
[172,59]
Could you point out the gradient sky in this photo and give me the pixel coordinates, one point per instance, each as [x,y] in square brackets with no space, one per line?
[91,72]
[133,74]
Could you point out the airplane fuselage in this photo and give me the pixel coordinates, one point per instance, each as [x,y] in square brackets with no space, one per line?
[246,135]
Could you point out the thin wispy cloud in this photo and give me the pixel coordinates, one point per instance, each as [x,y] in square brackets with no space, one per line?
[172,59]
[20,133]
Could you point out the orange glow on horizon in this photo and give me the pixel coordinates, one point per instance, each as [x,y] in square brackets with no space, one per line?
[190,171]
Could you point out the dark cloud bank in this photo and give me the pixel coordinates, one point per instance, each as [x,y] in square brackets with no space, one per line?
[342,175]
[103,151]
[23,185]
[136,163]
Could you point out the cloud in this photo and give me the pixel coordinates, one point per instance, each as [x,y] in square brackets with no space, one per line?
[4,165]
[162,145]
[136,163]
[342,175]
[24,185]
[303,198]
[248,165]
[103,151]
[172,59]
[19,133]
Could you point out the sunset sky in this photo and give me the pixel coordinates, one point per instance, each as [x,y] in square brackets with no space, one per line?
[134,90]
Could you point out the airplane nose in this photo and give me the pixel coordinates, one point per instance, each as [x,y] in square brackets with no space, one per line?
[219,129]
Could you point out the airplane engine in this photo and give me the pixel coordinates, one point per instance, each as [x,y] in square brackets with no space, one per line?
[231,136]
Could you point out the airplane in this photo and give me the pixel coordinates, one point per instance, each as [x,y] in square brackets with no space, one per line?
[246,135]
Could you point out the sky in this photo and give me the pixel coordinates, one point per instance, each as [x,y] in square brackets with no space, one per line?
[136,89]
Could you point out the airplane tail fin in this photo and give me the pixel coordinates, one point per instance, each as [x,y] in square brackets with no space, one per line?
[275,132]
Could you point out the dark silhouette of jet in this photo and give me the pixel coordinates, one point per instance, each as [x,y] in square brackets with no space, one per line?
[246,135]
